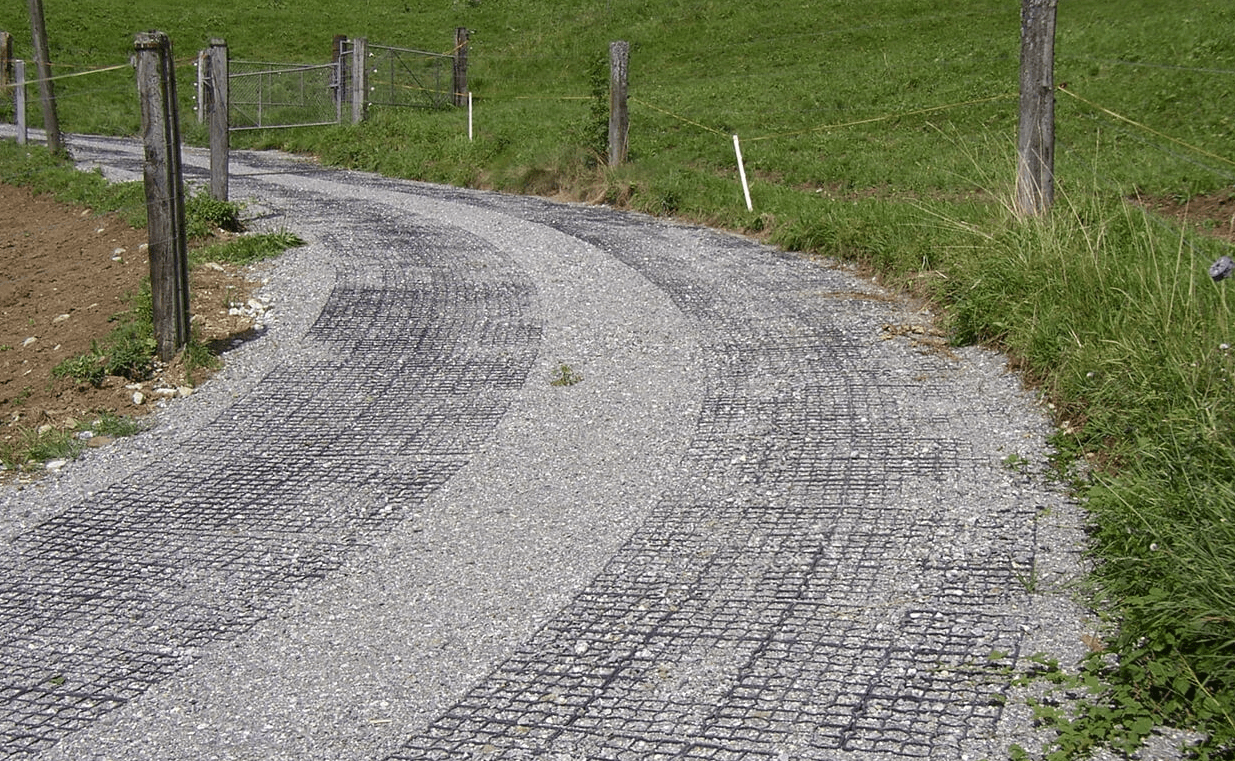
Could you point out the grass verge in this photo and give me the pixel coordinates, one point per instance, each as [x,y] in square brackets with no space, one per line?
[129,350]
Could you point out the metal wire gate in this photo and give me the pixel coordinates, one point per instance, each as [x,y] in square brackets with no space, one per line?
[406,78]
[272,95]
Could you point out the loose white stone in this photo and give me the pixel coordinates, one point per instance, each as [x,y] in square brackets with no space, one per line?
[28,342]
[138,398]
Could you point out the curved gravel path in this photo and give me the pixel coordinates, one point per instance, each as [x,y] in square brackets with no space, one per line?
[766,523]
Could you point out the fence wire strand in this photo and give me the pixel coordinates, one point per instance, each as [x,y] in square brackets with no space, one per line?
[1144,127]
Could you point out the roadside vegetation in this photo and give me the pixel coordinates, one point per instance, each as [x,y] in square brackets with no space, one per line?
[880,133]
[128,350]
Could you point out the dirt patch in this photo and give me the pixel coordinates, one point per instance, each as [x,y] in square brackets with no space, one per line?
[1212,215]
[65,273]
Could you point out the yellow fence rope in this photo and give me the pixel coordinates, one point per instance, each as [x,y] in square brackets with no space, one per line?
[1148,129]
[884,118]
[117,67]
[679,118]
[825,127]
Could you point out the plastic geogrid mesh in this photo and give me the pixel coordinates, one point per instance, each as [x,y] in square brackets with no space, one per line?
[787,601]
[185,555]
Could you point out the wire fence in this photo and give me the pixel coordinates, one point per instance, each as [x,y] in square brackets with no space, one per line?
[266,95]
[273,95]
[406,78]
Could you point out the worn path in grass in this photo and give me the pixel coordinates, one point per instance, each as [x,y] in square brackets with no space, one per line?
[507,477]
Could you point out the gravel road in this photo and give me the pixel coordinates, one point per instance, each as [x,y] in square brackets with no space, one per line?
[765,516]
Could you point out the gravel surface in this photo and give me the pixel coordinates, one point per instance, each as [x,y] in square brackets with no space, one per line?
[773,518]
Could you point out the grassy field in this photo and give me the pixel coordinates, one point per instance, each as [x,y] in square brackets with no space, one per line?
[880,132]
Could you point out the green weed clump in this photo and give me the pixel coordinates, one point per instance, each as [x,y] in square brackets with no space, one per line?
[247,249]
[128,351]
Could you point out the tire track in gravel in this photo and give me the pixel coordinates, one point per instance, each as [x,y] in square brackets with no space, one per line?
[759,527]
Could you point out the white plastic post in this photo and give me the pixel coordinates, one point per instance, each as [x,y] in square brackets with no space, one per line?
[469,116]
[737,148]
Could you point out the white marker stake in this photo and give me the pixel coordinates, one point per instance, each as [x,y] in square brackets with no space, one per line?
[469,116]
[737,148]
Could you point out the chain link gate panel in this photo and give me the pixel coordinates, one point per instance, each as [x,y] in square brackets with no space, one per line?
[270,95]
[408,78]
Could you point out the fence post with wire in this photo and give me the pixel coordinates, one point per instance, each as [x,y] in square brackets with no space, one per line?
[47,90]
[164,184]
[19,101]
[460,66]
[619,113]
[217,102]
[360,78]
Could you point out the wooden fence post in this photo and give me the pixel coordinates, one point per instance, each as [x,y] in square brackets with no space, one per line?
[6,62]
[338,83]
[1035,174]
[460,67]
[47,92]
[169,276]
[203,76]
[619,115]
[360,78]
[217,96]
[19,101]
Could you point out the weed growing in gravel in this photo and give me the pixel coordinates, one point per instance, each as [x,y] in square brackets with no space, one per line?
[564,375]
[31,448]
[247,249]
[110,424]
[204,215]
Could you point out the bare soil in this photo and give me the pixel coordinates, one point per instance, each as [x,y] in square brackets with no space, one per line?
[65,274]
[1212,215]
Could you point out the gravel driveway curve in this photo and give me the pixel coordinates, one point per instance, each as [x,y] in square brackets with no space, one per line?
[507,478]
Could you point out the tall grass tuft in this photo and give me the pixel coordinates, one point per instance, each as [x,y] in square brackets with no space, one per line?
[1114,313]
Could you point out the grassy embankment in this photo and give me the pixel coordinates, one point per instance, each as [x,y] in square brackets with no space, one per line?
[853,154]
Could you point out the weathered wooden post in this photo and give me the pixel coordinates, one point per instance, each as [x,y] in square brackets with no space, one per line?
[169,269]
[460,66]
[338,78]
[217,95]
[1035,175]
[203,76]
[6,62]
[19,101]
[47,93]
[360,78]
[619,115]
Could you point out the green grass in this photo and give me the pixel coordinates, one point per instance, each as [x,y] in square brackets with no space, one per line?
[34,447]
[247,249]
[880,132]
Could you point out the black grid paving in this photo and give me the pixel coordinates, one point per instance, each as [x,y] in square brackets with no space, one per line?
[801,609]
[800,592]
[196,552]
